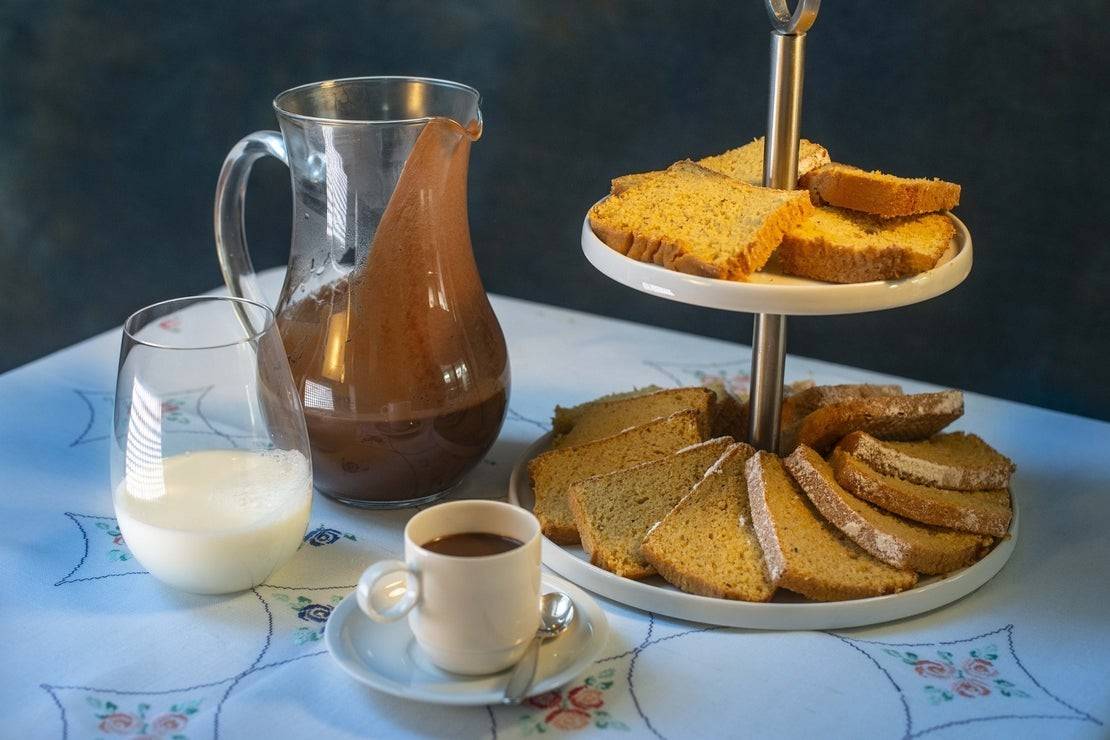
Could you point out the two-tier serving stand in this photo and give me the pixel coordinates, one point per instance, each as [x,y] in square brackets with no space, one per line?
[771,298]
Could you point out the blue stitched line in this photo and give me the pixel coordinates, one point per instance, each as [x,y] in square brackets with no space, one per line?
[517,416]
[492,722]
[237,679]
[89,424]
[957,722]
[924,644]
[85,538]
[901,695]
[304,588]
[1010,643]
[62,710]
[121,692]
[204,418]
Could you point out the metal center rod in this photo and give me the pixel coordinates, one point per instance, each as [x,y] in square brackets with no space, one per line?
[780,170]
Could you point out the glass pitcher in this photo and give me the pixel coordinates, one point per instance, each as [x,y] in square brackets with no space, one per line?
[395,351]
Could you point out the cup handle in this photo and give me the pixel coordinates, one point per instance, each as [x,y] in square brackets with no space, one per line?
[231,189]
[368,588]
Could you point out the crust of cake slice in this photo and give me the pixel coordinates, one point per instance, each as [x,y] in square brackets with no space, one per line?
[981,512]
[954,460]
[565,417]
[706,545]
[896,541]
[878,193]
[614,512]
[697,221]
[606,418]
[841,246]
[797,406]
[744,163]
[804,552]
[553,472]
[908,417]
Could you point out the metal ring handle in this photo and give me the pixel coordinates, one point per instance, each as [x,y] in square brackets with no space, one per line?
[795,23]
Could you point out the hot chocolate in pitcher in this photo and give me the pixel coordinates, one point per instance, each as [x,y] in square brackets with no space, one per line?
[400,361]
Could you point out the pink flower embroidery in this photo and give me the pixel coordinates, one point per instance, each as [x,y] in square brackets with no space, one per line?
[165,724]
[119,723]
[933,669]
[971,688]
[546,701]
[568,719]
[979,667]
[584,697]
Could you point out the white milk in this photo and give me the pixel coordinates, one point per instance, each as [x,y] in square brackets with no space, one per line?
[216,521]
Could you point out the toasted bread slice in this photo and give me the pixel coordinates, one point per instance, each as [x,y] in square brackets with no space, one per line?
[805,553]
[744,163]
[706,545]
[954,460]
[881,194]
[694,220]
[566,417]
[613,512]
[982,512]
[896,541]
[553,472]
[606,418]
[909,417]
[797,406]
[840,246]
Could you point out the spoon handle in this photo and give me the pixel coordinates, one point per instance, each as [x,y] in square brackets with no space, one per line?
[521,679]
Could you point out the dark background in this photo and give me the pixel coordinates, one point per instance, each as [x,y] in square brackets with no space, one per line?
[115,117]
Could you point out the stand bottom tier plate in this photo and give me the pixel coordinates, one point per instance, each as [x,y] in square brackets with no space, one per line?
[785,612]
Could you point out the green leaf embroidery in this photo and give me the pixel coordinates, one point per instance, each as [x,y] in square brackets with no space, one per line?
[945,656]
[143,709]
[349,536]
[303,600]
[589,681]
[607,673]
[605,686]
[110,706]
[94,702]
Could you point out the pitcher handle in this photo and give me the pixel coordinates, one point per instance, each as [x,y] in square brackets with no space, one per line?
[231,189]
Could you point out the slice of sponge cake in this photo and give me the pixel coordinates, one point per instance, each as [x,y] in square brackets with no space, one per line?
[613,512]
[892,539]
[706,544]
[697,221]
[982,512]
[805,553]
[553,472]
[606,418]
[909,417]
[956,460]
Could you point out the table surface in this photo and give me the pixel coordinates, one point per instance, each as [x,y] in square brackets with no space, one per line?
[93,646]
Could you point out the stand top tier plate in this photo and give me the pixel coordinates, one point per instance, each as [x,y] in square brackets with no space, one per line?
[773,293]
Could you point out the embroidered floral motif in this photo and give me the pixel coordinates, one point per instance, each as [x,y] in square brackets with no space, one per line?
[975,676]
[171,324]
[172,411]
[311,612]
[171,723]
[736,384]
[324,535]
[120,552]
[578,709]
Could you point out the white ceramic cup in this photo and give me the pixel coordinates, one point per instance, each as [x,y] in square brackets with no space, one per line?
[470,615]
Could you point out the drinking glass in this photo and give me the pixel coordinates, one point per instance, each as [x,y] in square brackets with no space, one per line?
[211,466]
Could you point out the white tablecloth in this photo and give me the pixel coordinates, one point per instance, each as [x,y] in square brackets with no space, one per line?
[94,647]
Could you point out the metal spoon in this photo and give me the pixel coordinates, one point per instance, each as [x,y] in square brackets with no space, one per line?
[556,614]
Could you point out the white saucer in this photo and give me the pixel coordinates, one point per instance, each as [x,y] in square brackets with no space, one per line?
[387,658]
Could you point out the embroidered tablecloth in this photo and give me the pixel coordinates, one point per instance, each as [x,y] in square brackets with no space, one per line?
[94,647]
